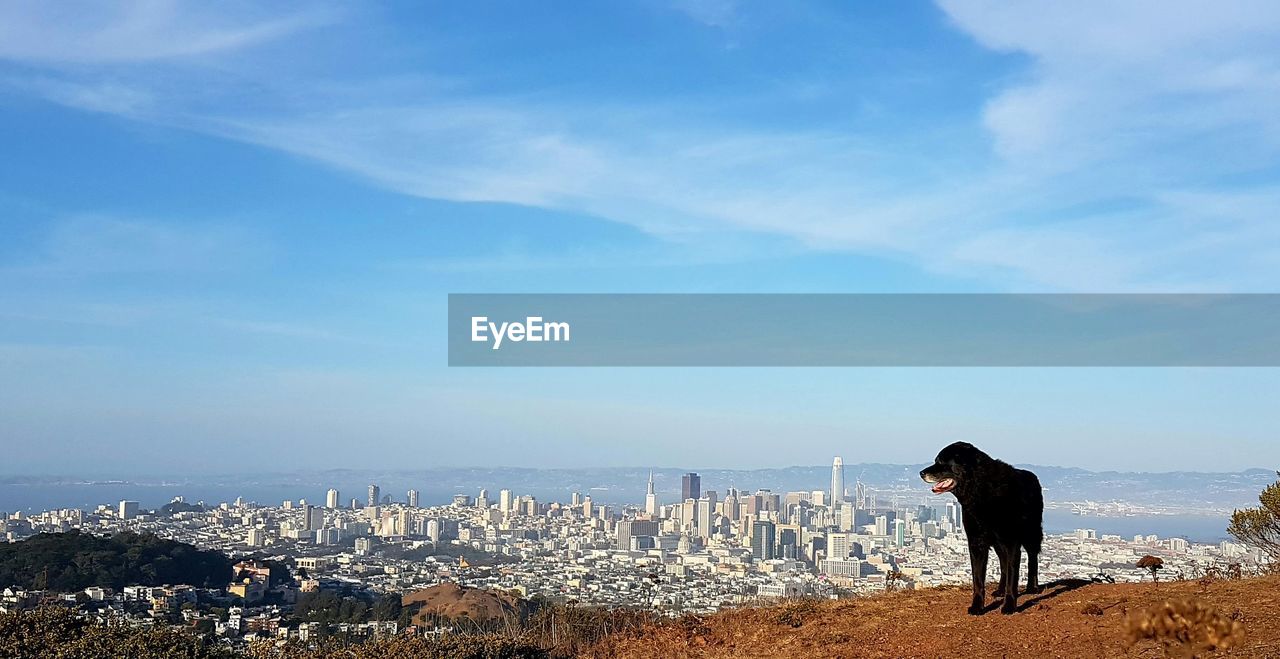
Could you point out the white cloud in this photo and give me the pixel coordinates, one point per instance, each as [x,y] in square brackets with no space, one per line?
[94,245]
[139,31]
[1111,79]
[1110,147]
[715,13]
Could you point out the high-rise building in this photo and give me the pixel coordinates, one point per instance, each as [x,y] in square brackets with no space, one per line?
[730,506]
[312,518]
[413,498]
[651,498]
[375,495]
[690,486]
[764,538]
[482,499]
[837,481]
[628,529]
[838,546]
[900,532]
[882,525]
[505,501]
[331,498]
[128,509]
[702,518]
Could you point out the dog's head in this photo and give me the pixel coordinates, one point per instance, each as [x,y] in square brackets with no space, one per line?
[954,465]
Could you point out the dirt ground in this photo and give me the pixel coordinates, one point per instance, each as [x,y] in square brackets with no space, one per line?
[1069,619]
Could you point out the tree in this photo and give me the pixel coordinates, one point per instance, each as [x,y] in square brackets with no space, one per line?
[1260,527]
[387,607]
[1152,564]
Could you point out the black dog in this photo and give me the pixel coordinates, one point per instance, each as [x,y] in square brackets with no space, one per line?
[1002,508]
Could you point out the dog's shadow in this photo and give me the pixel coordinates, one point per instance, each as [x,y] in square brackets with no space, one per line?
[1047,591]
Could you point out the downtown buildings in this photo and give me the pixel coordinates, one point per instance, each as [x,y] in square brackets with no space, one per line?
[723,547]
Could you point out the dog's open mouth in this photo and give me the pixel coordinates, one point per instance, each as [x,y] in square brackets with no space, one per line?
[944,485]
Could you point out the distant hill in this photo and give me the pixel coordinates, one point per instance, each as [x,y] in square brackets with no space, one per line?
[449,601]
[68,562]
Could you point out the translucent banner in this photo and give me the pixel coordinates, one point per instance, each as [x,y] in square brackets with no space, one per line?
[864,330]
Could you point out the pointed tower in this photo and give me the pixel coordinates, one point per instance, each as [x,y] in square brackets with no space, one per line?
[651,499]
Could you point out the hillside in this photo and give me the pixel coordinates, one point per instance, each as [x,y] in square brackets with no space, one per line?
[67,562]
[449,601]
[1067,620]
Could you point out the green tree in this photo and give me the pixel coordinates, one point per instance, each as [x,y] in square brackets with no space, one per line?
[387,607]
[1260,527]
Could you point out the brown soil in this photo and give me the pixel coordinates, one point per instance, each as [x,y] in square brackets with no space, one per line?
[1071,619]
[449,600]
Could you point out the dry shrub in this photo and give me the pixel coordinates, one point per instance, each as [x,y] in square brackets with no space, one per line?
[487,646]
[793,614]
[1184,628]
[1092,609]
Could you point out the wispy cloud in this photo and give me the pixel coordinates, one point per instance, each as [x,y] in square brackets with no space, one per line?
[141,31]
[95,245]
[289,330]
[1110,166]
[715,13]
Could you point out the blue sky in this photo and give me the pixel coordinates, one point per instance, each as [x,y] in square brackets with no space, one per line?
[227,230]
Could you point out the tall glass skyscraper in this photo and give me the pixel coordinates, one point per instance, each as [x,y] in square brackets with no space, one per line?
[837,482]
[691,486]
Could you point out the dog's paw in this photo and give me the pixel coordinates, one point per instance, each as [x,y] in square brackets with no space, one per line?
[976,609]
[1009,606]
[1035,589]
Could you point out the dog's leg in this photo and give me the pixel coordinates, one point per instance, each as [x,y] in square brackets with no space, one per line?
[1033,566]
[978,561]
[1009,564]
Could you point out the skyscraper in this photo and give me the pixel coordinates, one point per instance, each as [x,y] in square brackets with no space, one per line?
[691,486]
[837,482]
[628,529]
[505,501]
[331,498]
[651,499]
[375,494]
[704,510]
[312,518]
[764,537]
[413,498]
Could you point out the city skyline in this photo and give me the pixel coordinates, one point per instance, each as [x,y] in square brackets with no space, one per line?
[1116,501]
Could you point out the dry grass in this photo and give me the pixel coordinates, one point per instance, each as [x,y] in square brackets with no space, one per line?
[1223,617]
[1185,628]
